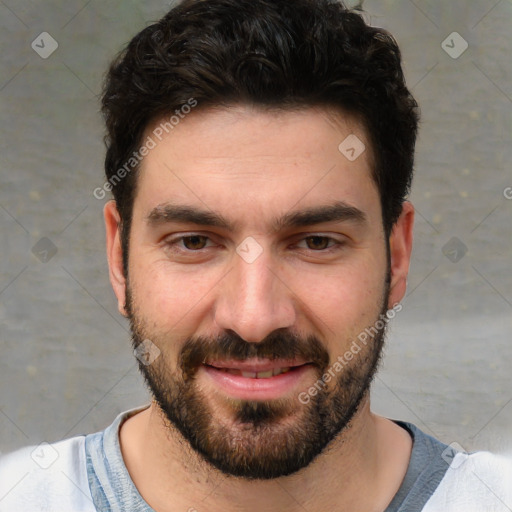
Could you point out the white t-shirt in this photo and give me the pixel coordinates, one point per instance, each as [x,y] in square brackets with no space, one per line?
[88,474]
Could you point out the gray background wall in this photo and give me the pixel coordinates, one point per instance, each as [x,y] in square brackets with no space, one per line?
[65,361]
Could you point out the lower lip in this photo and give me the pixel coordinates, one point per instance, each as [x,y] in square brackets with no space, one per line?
[258,389]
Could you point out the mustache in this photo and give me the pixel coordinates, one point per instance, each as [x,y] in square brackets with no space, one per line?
[279,344]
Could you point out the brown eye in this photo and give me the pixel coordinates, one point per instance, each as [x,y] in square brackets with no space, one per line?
[195,242]
[317,243]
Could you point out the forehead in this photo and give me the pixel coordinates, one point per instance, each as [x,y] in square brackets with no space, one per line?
[248,162]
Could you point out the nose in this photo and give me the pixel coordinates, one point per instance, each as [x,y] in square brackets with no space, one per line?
[253,299]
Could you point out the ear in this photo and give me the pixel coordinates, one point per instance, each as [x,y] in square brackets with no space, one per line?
[115,254]
[400,246]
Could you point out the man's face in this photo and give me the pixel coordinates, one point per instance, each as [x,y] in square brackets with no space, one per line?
[256,244]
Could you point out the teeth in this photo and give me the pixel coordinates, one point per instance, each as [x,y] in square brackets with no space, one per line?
[277,371]
[264,375]
[257,375]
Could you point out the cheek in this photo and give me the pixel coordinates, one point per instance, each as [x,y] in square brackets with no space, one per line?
[344,300]
[172,301]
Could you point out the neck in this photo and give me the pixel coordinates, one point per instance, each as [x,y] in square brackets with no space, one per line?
[171,476]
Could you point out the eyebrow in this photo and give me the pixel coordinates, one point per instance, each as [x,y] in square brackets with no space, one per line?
[336,212]
[169,212]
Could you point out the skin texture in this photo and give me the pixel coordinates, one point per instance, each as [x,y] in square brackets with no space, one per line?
[252,167]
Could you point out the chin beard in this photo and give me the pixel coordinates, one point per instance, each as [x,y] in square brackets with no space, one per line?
[250,439]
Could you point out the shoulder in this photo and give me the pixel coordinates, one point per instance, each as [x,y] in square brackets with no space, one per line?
[475,482]
[47,477]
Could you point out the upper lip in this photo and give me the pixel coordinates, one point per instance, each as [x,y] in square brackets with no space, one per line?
[256,365]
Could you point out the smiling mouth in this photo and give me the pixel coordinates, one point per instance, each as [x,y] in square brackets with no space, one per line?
[255,375]
[255,368]
[257,379]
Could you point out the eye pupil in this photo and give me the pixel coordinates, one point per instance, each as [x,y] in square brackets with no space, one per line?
[317,242]
[194,242]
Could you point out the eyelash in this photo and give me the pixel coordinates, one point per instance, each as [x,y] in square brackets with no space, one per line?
[335,244]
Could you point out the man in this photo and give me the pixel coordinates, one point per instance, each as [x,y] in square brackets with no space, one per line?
[259,153]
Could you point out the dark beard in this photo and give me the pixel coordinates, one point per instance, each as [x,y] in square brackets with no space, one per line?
[264,439]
